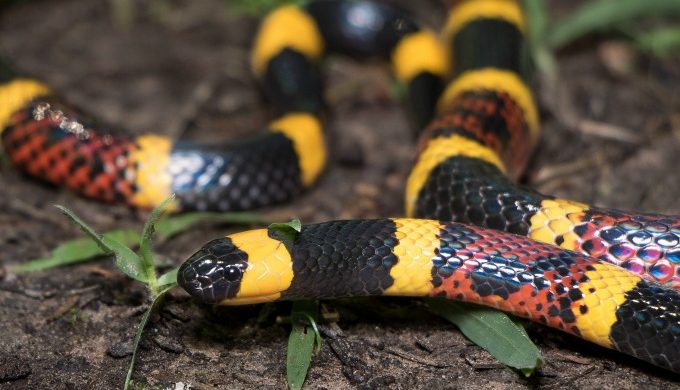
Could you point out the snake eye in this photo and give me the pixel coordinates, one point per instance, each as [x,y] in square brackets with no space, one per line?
[233,273]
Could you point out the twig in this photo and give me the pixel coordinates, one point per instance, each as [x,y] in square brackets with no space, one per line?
[608,131]
[561,104]
[33,294]
[63,309]
[573,379]
[551,172]
[20,206]
[201,93]
[573,359]
[416,359]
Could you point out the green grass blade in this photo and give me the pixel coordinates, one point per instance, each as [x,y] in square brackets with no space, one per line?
[261,7]
[593,16]
[538,21]
[170,226]
[138,336]
[168,279]
[145,245]
[301,342]
[492,330]
[126,260]
[660,41]
[98,239]
[78,250]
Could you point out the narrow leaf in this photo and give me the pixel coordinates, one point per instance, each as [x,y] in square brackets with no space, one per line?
[593,16]
[85,228]
[301,342]
[168,279]
[660,41]
[126,260]
[170,226]
[492,330]
[261,7]
[538,21]
[78,250]
[145,242]
[138,336]
[285,232]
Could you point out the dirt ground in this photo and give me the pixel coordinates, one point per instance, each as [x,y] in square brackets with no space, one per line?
[614,143]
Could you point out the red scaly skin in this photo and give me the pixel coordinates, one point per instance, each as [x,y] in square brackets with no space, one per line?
[648,245]
[96,166]
[475,116]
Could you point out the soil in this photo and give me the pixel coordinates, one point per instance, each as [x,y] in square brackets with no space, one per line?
[611,132]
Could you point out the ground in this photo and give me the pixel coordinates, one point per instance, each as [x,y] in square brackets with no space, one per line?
[610,136]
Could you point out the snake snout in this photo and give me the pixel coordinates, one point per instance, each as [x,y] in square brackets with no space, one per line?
[214,273]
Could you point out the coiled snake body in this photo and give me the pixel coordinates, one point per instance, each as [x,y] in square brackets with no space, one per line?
[476,140]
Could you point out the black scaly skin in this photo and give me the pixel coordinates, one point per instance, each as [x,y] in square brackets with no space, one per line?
[473,191]
[214,272]
[489,43]
[648,325]
[368,29]
[242,176]
[343,258]
[293,84]
[360,28]
[423,93]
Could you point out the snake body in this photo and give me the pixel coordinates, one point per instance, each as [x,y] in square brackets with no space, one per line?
[591,299]
[476,140]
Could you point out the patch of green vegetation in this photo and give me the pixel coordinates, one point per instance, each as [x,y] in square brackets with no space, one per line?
[76,315]
[303,336]
[547,36]
[138,266]
[260,7]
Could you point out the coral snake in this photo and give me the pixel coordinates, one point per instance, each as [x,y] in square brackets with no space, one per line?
[607,276]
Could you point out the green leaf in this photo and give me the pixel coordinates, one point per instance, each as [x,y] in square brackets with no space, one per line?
[285,232]
[301,342]
[145,241]
[593,16]
[78,250]
[660,41]
[260,7]
[492,330]
[168,279]
[170,226]
[538,21]
[126,260]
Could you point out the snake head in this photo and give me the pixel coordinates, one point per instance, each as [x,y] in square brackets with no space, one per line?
[214,273]
[243,268]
